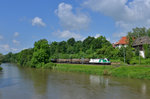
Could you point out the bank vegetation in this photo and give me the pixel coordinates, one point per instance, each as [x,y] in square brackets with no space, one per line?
[43,51]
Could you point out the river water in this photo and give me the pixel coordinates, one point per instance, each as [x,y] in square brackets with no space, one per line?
[28,83]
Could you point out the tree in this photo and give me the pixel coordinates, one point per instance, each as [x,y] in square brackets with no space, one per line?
[71,41]
[62,47]
[8,57]
[77,47]
[99,43]
[1,58]
[41,53]
[138,32]
[87,43]
[24,57]
[147,51]
[106,51]
[129,54]
[53,48]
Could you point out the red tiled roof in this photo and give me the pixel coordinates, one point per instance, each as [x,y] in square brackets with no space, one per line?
[122,41]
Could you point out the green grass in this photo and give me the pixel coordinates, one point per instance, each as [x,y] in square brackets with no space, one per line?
[89,69]
[140,72]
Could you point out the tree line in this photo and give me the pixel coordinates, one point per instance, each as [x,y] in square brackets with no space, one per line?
[91,47]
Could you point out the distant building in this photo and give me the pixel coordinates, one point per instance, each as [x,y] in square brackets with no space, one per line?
[123,42]
[139,42]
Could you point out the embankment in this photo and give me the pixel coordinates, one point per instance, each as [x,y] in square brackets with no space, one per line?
[139,72]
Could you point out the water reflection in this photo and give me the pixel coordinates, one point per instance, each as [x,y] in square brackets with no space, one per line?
[39,79]
[144,88]
[28,83]
[99,80]
[6,82]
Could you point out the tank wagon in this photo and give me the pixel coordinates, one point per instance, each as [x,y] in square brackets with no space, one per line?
[103,61]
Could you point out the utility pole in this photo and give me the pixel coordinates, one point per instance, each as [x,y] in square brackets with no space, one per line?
[124,55]
[139,51]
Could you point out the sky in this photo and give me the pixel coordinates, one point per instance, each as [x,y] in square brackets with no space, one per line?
[22,22]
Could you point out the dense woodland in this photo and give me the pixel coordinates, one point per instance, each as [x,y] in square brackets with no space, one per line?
[91,47]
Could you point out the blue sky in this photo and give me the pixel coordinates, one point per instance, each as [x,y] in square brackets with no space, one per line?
[22,22]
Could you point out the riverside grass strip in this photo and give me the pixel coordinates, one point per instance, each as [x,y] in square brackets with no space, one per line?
[139,72]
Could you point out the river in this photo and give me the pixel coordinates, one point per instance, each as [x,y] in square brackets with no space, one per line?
[28,83]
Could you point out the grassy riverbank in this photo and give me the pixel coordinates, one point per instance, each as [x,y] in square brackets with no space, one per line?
[140,72]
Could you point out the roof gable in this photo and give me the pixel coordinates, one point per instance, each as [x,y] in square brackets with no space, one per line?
[141,41]
[122,41]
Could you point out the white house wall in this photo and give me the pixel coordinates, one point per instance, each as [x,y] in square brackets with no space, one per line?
[142,54]
[119,46]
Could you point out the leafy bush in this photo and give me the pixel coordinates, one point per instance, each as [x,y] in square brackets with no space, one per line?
[145,61]
[147,51]
[135,60]
[49,66]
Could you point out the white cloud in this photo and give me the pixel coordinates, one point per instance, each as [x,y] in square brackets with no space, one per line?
[119,34]
[16,34]
[70,20]
[16,42]
[1,37]
[38,22]
[108,39]
[14,49]
[67,34]
[108,7]
[5,47]
[97,35]
[127,14]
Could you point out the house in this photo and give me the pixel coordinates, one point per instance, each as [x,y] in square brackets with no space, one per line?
[139,42]
[123,42]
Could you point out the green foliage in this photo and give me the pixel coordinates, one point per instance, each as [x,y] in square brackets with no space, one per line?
[132,72]
[71,41]
[126,53]
[140,72]
[134,61]
[138,32]
[8,57]
[53,48]
[87,43]
[99,43]
[78,47]
[147,50]
[129,54]
[62,47]
[142,61]
[107,51]
[24,57]
[41,53]
[49,66]
[137,52]
[91,47]
[1,58]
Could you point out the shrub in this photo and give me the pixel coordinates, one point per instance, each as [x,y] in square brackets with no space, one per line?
[49,66]
[134,61]
[145,61]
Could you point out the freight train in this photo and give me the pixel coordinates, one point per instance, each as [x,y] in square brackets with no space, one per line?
[103,61]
